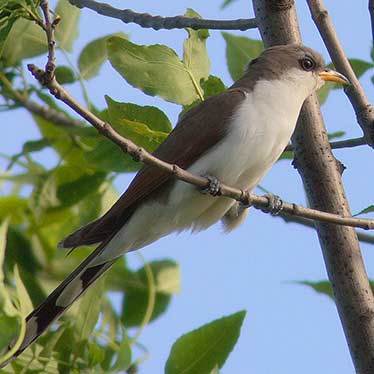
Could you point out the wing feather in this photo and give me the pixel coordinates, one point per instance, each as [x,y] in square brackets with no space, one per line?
[198,130]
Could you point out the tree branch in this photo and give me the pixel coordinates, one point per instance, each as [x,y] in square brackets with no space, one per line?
[287,218]
[277,22]
[361,105]
[44,111]
[156,22]
[348,143]
[371,12]
[51,114]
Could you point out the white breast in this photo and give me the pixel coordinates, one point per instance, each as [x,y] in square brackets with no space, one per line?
[259,132]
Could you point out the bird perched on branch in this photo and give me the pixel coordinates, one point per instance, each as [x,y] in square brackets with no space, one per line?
[234,137]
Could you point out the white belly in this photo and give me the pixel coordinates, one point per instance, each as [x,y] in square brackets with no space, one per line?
[255,141]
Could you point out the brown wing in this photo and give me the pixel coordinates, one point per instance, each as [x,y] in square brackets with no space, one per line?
[200,128]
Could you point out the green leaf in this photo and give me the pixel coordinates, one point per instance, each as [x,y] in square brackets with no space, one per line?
[127,113]
[202,350]
[67,30]
[108,157]
[3,234]
[74,190]
[44,195]
[8,313]
[360,67]
[195,55]
[65,348]
[167,282]
[29,147]
[324,92]
[240,50]
[65,75]
[369,209]
[155,69]
[69,147]
[124,354]
[146,126]
[51,339]
[30,281]
[26,39]
[286,155]
[323,287]
[336,134]
[9,12]
[23,297]
[20,252]
[94,55]
[89,309]
[226,3]
[212,86]
[96,354]
[14,207]
[9,326]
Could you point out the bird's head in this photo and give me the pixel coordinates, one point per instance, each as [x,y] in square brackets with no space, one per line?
[300,65]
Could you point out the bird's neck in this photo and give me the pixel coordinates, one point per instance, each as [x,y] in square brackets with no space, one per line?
[276,98]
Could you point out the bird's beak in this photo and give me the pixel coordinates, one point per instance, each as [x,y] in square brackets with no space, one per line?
[333,76]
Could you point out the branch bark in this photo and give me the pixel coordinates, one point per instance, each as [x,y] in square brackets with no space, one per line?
[361,104]
[371,12]
[362,237]
[146,20]
[277,22]
[348,143]
[50,114]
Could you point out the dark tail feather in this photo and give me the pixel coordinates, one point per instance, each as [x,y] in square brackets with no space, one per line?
[57,302]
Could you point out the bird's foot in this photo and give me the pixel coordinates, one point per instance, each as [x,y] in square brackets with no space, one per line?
[275,205]
[214,186]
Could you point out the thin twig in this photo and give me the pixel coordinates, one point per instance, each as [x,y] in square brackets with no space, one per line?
[50,114]
[348,143]
[361,105]
[47,112]
[49,28]
[371,12]
[156,22]
[140,154]
[362,236]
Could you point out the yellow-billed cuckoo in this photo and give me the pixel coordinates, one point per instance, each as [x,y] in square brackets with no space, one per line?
[235,136]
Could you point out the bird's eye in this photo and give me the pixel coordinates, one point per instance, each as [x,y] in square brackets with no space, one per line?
[307,64]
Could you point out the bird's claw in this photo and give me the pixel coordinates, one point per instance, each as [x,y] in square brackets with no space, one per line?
[214,186]
[275,205]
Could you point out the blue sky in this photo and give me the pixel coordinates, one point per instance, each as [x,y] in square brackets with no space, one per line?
[288,328]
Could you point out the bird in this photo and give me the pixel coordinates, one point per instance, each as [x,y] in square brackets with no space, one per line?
[232,137]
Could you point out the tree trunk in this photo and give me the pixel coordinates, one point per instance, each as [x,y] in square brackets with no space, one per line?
[321,175]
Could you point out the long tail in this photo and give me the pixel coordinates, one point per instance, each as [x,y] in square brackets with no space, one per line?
[62,298]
